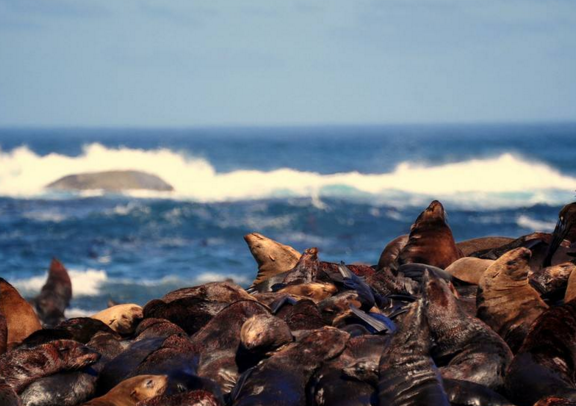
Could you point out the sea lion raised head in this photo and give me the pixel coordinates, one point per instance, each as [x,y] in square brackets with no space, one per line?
[133,390]
[21,320]
[123,319]
[264,332]
[55,295]
[565,230]
[430,241]
[305,270]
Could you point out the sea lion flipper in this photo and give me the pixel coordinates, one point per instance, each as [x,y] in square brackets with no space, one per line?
[378,325]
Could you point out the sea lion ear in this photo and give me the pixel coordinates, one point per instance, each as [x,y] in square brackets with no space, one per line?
[272,258]
[134,394]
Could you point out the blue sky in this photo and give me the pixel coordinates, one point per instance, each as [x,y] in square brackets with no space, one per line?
[285,62]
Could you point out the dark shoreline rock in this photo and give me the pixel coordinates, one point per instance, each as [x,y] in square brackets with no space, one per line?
[111,181]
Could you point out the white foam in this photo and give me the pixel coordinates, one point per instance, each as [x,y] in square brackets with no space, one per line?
[84,283]
[77,312]
[535,225]
[504,180]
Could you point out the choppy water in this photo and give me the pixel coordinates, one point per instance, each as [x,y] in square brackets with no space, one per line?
[346,190]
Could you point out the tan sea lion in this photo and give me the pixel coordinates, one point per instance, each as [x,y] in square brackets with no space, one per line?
[123,318]
[481,244]
[132,390]
[506,301]
[570,288]
[55,295]
[469,269]
[271,256]
[21,320]
[431,241]
[22,367]
[313,290]
[264,332]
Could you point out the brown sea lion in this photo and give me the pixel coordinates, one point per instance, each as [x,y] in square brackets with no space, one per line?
[304,315]
[21,320]
[271,256]
[408,375]
[264,332]
[132,390]
[430,241]
[506,301]
[314,291]
[55,295]
[123,318]
[565,230]
[553,280]
[152,328]
[191,308]
[282,378]
[305,270]
[80,329]
[3,334]
[464,348]
[193,398]
[469,269]
[545,364]
[22,367]
[109,345]
[570,288]
[391,251]
[482,244]
[7,395]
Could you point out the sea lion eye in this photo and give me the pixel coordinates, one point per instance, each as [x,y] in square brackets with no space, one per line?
[150,383]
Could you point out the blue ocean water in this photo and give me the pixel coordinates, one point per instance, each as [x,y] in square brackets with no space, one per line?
[345,190]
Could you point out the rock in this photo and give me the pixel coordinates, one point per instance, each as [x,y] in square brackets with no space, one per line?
[111,181]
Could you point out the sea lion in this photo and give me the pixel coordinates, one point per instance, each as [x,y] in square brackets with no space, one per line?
[123,318]
[506,301]
[192,308]
[133,390]
[482,244]
[391,251]
[271,256]
[21,320]
[55,295]
[469,269]
[430,241]
[304,315]
[80,329]
[22,367]
[315,291]
[463,347]
[545,364]
[153,328]
[465,393]
[3,334]
[264,332]
[282,378]
[570,288]
[408,375]
[193,398]
[305,270]
[7,395]
[552,281]
[109,345]
[565,230]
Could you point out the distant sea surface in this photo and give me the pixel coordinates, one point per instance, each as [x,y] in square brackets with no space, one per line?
[346,190]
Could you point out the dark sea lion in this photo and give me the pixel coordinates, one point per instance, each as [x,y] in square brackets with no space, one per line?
[565,230]
[554,401]
[63,389]
[191,308]
[7,395]
[552,281]
[304,315]
[305,270]
[123,318]
[282,378]
[219,340]
[109,345]
[506,301]
[55,295]
[271,256]
[430,241]
[20,368]
[391,251]
[3,334]
[21,320]
[193,398]
[545,364]
[482,244]
[153,328]
[314,291]
[463,347]
[357,283]
[408,375]
[132,391]
[80,329]
[465,393]
[469,269]
[264,332]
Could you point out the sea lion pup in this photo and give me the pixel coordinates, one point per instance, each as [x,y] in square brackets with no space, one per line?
[430,241]
[545,364]
[133,390]
[469,269]
[193,398]
[506,301]
[123,318]
[552,281]
[3,334]
[408,375]
[22,367]
[391,251]
[463,347]
[55,295]
[314,290]
[191,308]
[282,378]
[218,344]
[62,389]
[468,247]
[264,332]
[7,395]
[565,230]
[21,320]
[271,256]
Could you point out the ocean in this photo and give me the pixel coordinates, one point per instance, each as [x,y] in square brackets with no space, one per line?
[346,190]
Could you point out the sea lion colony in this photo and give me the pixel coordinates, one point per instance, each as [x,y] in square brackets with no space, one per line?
[489,321]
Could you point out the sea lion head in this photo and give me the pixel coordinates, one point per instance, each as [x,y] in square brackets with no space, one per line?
[434,212]
[271,256]
[123,319]
[437,296]
[73,354]
[144,387]
[364,370]
[513,265]
[264,333]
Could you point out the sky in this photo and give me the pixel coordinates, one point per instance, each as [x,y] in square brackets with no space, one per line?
[185,63]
